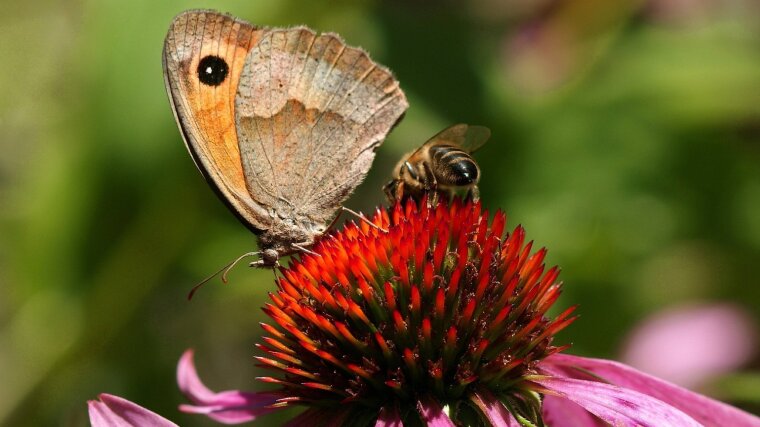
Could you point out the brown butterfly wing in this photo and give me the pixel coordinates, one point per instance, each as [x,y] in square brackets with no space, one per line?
[310,111]
[204,112]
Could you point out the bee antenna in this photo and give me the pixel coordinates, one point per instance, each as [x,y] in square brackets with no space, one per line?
[224,270]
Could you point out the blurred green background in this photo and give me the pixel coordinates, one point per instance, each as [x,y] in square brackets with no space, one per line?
[626,138]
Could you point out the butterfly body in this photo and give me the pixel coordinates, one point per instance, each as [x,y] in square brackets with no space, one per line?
[283,123]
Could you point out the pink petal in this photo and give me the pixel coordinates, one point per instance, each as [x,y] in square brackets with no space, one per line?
[616,405]
[561,412]
[690,345]
[227,407]
[491,407]
[113,411]
[432,413]
[703,409]
[188,380]
[389,417]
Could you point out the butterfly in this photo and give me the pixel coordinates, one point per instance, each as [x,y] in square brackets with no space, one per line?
[282,122]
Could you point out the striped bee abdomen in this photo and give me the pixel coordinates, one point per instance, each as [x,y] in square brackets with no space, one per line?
[453,166]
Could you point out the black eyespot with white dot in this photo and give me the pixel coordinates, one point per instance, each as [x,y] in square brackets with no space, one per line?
[212,70]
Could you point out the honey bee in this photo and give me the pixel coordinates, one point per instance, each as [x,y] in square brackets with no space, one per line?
[441,165]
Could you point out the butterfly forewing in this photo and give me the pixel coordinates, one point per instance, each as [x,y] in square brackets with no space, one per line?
[205,112]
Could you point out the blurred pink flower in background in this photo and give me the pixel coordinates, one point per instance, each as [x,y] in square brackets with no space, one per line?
[560,42]
[689,345]
[539,57]
[684,12]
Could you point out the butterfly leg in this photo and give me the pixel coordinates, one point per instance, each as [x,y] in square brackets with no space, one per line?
[363,218]
[260,263]
[356,214]
[301,247]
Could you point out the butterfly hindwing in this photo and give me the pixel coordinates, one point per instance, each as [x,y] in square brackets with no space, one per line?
[309,113]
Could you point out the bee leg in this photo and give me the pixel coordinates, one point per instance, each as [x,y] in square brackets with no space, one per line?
[400,190]
[431,186]
[393,191]
[474,193]
[432,199]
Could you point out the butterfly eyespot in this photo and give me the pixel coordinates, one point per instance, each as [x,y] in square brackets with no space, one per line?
[212,70]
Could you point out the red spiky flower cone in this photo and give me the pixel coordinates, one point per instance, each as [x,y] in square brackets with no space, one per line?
[438,311]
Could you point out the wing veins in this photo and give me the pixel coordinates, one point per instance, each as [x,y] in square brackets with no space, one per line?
[332,95]
[263,149]
[289,125]
[271,122]
[374,113]
[306,57]
[369,71]
[325,138]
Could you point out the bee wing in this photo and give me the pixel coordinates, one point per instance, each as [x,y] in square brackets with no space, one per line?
[467,137]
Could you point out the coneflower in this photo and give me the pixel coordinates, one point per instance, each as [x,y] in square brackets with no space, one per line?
[437,316]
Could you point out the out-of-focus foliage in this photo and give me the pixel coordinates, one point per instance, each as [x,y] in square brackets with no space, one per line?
[626,138]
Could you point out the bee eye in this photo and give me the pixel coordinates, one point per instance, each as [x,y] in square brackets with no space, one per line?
[212,70]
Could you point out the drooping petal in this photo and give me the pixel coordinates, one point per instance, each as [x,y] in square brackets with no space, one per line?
[113,411]
[389,417]
[493,409]
[188,380]
[616,405]
[561,412]
[707,411]
[688,345]
[432,413]
[227,407]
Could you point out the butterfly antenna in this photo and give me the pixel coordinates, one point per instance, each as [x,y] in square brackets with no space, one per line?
[363,218]
[233,263]
[224,270]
